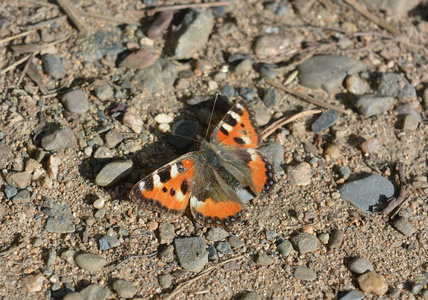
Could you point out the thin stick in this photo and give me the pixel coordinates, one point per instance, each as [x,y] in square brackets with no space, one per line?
[181,286]
[110,19]
[37,78]
[307,98]
[404,189]
[72,14]
[17,36]
[15,64]
[190,5]
[133,256]
[25,69]
[47,22]
[285,120]
[381,23]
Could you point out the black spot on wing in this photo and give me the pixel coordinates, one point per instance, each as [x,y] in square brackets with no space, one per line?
[164,189]
[184,187]
[148,184]
[239,111]
[230,120]
[180,167]
[224,131]
[239,141]
[172,192]
[165,174]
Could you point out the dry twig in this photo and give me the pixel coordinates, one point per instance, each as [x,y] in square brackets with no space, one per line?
[72,14]
[25,68]
[15,64]
[404,189]
[17,36]
[110,19]
[37,78]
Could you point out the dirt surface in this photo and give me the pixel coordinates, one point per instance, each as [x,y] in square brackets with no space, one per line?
[66,176]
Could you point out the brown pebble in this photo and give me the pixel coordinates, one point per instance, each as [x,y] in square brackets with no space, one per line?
[140,59]
[373,283]
[33,283]
[162,21]
[152,225]
[370,146]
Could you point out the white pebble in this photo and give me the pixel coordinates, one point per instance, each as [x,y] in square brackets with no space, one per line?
[163,119]
[99,203]
[164,127]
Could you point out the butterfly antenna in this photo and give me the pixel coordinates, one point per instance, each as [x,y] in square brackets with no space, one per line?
[183,136]
[211,117]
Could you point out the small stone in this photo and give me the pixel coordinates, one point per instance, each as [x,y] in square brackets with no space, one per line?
[212,85]
[140,59]
[163,119]
[73,296]
[336,239]
[53,66]
[269,71]
[403,225]
[409,109]
[243,67]
[395,85]
[158,78]
[409,123]
[325,120]
[99,214]
[69,256]
[300,175]
[5,156]
[22,197]
[247,93]
[228,90]
[104,92]
[271,235]
[99,203]
[166,255]
[124,289]
[324,238]
[182,84]
[216,234]
[212,253]
[107,242]
[224,247]
[352,295]
[152,225]
[250,296]
[355,85]
[90,262]
[274,44]
[270,97]
[59,138]
[182,134]
[133,121]
[305,274]
[76,101]
[33,283]
[165,281]
[304,242]
[262,114]
[219,76]
[344,172]
[96,292]
[284,248]
[191,253]
[19,180]
[166,233]
[274,152]
[10,191]
[370,105]
[264,260]
[371,145]
[332,152]
[103,153]
[112,139]
[113,173]
[235,242]
[373,283]
[51,257]
[60,220]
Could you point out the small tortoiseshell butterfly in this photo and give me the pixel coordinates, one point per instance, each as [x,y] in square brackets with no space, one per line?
[207,180]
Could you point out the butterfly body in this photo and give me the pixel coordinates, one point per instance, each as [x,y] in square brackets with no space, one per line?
[207,180]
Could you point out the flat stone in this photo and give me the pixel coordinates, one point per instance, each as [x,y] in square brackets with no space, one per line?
[328,71]
[19,180]
[53,66]
[191,253]
[325,120]
[165,281]
[403,225]
[394,8]
[166,255]
[33,283]
[304,242]
[108,242]
[336,238]
[373,283]
[300,174]
[250,296]
[104,92]
[352,295]
[5,156]
[124,289]
[113,138]
[270,97]
[59,138]
[76,101]
[216,234]
[140,59]
[160,24]
[158,78]
[409,123]
[22,197]
[272,45]
[262,114]
[243,67]
[166,233]
[224,247]
[370,105]
[264,259]
[395,85]
[367,192]
[60,220]
[134,121]
[360,265]
[212,253]
[305,274]
[284,248]
[235,242]
[191,34]
[90,262]
[113,173]
[95,292]
[73,296]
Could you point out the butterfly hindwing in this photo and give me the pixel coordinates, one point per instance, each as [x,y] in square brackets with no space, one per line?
[168,188]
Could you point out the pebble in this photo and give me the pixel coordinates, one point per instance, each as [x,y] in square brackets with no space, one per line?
[165,281]
[163,119]
[22,197]
[191,34]
[247,93]
[179,131]
[328,71]
[264,259]
[95,292]
[107,242]
[133,121]
[90,262]
[305,274]
[5,156]
[262,114]
[300,174]
[69,256]
[274,152]
[103,153]
[166,233]
[216,234]
[356,85]
[324,238]
[271,235]
[272,45]
[325,120]
[244,67]
[158,78]
[73,296]
[164,128]
[270,97]
[152,225]
[50,261]
[191,253]
[212,85]
[367,192]
[409,123]
[99,203]
[395,85]
[224,247]
[53,66]
[284,248]
[235,242]
[112,139]
[10,191]
[59,138]
[140,59]
[99,214]
[370,105]
[409,109]
[102,43]
[336,239]
[373,283]
[19,180]
[166,255]
[250,296]
[76,101]
[124,289]
[352,295]
[160,24]
[304,242]
[61,219]
[403,225]
[104,92]
[416,288]
[182,84]
[269,71]
[113,173]
[212,253]
[219,76]
[228,90]
[33,283]
[370,146]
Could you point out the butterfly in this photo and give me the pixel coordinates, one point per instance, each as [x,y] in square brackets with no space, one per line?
[206,181]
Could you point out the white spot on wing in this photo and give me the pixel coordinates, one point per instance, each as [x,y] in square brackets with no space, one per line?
[235,116]
[227,127]
[239,106]
[180,196]
[246,139]
[174,171]
[141,185]
[156,180]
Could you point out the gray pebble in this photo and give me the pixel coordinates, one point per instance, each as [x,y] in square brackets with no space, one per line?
[51,257]
[324,238]
[228,90]
[284,248]
[247,93]
[113,173]
[270,97]
[300,174]
[416,288]
[158,78]
[344,172]
[22,197]
[95,292]
[360,265]
[395,85]
[53,66]
[59,138]
[370,105]
[409,123]
[108,242]
[104,92]
[166,255]
[166,233]
[216,234]
[112,139]
[10,191]
[165,280]
[250,296]
[212,253]
[352,295]
[325,120]
[99,214]
[60,220]
[243,67]
[124,289]
[90,262]
[262,114]
[271,235]
[224,247]
[235,242]
[73,296]
[5,156]
[305,274]
[264,259]
[191,253]
[304,242]
[268,71]
[76,101]
[336,239]
[403,225]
